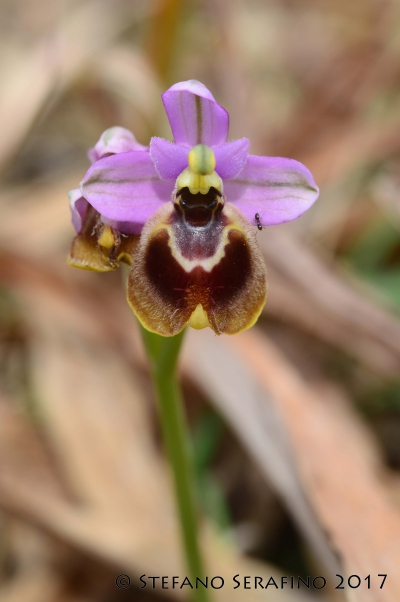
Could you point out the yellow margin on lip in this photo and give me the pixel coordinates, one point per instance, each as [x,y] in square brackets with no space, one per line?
[257,314]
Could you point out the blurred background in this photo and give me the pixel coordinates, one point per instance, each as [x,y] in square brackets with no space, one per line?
[296,423]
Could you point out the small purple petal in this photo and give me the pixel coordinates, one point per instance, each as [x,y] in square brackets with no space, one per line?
[113,141]
[78,207]
[126,187]
[169,159]
[194,116]
[231,157]
[280,190]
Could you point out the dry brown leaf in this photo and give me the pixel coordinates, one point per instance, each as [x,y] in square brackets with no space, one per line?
[125,71]
[328,444]
[252,415]
[37,73]
[368,331]
[36,217]
[37,584]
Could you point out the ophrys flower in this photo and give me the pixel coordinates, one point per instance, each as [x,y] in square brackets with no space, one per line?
[194,203]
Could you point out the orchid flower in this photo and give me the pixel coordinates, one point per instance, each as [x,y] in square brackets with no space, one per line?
[197,203]
[98,246]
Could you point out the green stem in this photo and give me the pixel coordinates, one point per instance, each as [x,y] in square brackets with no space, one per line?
[163,354]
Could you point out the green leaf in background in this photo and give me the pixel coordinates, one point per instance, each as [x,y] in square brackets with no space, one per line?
[206,441]
[376,258]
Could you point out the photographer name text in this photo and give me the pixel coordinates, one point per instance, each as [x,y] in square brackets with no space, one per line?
[238,581]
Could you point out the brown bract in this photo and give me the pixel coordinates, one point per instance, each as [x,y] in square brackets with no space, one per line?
[201,276]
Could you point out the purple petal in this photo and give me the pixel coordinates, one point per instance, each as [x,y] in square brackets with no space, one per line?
[278,189]
[126,187]
[194,116]
[113,141]
[169,159]
[231,157]
[78,207]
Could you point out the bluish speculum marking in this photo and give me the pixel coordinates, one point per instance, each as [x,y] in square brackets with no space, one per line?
[197,223]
